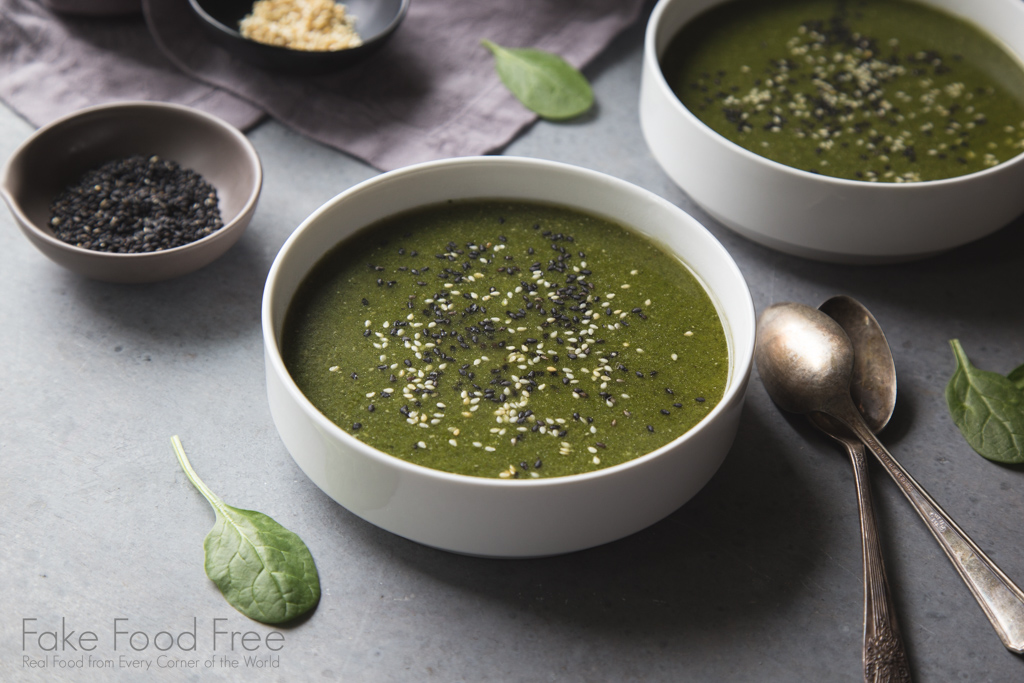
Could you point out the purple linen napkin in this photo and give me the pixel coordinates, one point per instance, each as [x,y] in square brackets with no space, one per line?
[52,65]
[430,93]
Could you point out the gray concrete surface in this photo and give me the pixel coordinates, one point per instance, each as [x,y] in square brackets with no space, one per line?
[756,579]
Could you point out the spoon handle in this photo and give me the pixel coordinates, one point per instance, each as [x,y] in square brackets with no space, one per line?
[1000,599]
[885,655]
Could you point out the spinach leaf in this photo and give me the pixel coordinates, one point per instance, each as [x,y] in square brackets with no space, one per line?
[542,81]
[988,408]
[265,571]
[1017,377]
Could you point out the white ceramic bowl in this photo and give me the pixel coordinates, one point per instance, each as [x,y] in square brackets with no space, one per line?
[817,216]
[499,517]
[59,153]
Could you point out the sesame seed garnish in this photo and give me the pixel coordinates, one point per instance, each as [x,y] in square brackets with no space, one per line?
[846,99]
[503,350]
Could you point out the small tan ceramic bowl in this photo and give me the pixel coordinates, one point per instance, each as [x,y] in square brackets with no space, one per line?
[58,154]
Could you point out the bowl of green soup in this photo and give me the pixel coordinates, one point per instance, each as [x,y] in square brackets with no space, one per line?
[862,131]
[506,357]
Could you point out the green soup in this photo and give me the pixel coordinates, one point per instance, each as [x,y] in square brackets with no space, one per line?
[875,90]
[502,339]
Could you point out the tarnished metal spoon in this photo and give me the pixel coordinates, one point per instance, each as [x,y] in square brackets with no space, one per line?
[873,389]
[805,360]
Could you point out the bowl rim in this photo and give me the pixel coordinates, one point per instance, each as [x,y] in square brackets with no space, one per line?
[234,34]
[739,371]
[652,63]
[243,142]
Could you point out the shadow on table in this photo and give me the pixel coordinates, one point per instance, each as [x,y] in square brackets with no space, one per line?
[216,304]
[724,558]
[968,287]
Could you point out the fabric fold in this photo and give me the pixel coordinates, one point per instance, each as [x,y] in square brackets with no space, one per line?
[430,93]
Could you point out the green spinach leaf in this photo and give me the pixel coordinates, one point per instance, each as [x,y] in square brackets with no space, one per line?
[1017,377]
[265,571]
[544,82]
[988,408]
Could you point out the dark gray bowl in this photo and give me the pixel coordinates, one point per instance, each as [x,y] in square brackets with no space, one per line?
[376,20]
[58,154]
[94,8]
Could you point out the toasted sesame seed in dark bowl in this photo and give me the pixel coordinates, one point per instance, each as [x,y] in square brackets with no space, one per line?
[375,22]
[133,192]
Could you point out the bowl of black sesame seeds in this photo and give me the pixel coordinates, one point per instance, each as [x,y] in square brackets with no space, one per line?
[508,339]
[841,132]
[133,192]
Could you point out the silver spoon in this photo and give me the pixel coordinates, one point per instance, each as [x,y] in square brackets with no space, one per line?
[805,360]
[873,388]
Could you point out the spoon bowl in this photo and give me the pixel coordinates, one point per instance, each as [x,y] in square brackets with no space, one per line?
[873,382]
[805,358]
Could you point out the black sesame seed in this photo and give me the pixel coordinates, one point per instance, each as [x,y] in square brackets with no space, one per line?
[699,399]
[357,425]
[664,412]
[134,205]
[650,428]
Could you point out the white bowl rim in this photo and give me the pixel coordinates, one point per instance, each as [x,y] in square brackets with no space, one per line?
[216,121]
[739,370]
[654,65]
